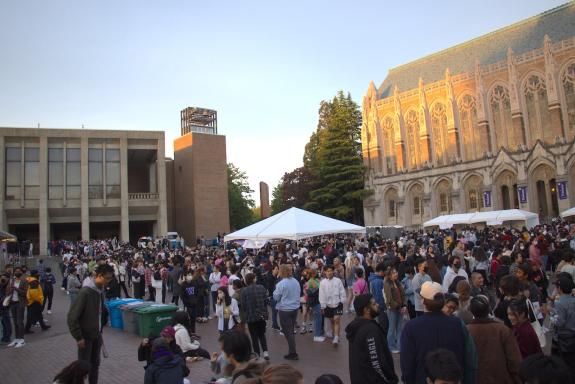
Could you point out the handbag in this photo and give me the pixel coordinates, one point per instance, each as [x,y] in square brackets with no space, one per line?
[539,330]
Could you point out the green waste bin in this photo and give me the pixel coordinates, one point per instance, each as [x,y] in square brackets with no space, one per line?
[129,316]
[153,318]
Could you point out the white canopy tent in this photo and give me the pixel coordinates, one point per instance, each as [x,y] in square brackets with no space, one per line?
[293,224]
[568,213]
[490,218]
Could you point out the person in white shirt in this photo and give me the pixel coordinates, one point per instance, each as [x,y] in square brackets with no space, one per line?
[214,279]
[331,298]
[453,270]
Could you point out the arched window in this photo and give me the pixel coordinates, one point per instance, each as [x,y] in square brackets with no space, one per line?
[568,81]
[537,109]
[388,145]
[473,199]
[444,202]
[439,125]
[472,141]
[501,113]
[412,124]
[417,206]
[391,206]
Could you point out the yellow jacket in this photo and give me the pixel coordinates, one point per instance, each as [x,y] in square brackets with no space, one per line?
[34,293]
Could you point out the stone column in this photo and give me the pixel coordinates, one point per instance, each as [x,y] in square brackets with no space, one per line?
[153,173]
[43,195]
[427,207]
[456,206]
[163,209]
[84,195]
[3,225]
[124,210]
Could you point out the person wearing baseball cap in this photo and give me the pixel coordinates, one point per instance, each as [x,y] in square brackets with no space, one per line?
[431,331]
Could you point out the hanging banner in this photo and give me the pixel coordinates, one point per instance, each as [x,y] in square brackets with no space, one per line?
[522,192]
[487,199]
[562,190]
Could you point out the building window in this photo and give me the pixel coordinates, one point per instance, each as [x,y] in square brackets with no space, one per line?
[95,173]
[443,202]
[32,173]
[439,125]
[473,199]
[73,173]
[537,109]
[388,145]
[113,173]
[55,173]
[416,206]
[568,80]
[391,208]
[412,123]
[501,113]
[13,174]
[472,141]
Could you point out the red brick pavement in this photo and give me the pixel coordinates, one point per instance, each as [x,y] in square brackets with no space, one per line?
[46,353]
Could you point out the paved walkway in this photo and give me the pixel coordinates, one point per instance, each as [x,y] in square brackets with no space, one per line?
[46,353]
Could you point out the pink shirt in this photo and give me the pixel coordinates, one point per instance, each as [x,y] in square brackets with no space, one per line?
[360,287]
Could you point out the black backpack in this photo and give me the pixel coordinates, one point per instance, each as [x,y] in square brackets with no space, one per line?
[157,275]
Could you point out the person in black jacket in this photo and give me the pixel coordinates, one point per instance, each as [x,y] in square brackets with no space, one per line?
[370,360]
[166,368]
[189,296]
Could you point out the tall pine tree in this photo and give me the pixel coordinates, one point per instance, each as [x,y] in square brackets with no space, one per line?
[334,158]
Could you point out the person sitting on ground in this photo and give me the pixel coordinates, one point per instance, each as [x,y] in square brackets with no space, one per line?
[442,367]
[238,350]
[541,369]
[166,368]
[191,348]
[145,348]
[278,374]
[220,365]
[75,373]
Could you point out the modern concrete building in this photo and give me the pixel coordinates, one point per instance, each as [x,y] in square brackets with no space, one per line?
[487,124]
[76,183]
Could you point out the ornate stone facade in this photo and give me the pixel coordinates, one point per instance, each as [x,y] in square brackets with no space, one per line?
[485,125]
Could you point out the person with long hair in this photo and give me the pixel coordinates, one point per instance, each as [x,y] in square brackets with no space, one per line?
[527,340]
[278,374]
[396,308]
[186,340]
[75,373]
[227,310]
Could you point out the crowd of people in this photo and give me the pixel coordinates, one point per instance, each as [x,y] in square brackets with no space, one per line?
[469,305]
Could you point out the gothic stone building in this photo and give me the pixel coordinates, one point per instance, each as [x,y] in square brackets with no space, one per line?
[488,124]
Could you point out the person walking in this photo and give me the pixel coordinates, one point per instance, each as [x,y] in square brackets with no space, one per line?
[88,315]
[396,308]
[286,295]
[48,281]
[370,361]
[527,340]
[16,290]
[254,299]
[497,350]
[331,298]
[418,280]
[376,289]
[74,285]
[189,297]
[35,300]
[311,288]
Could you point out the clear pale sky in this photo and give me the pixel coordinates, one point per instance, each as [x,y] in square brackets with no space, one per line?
[263,65]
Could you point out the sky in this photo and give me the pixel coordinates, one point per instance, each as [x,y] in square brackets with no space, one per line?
[265,66]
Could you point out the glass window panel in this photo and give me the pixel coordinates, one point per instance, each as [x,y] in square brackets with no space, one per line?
[95,191]
[13,154]
[112,155]
[113,191]
[391,208]
[112,173]
[31,173]
[55,154]
[31,154]
[13,174]
[95,154]
[55,192]
[12,193]
[73,174]
[94,173]
[32,193]
[72,154]
[73,192]
[55,173]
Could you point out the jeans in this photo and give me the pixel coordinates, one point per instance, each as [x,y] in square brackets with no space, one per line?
[258,334]
[274,314]
[395,327]
[287,321]
[48,296]
[6,325]
[214,299]
[17,312]
[193,315]
[91,354]
[73,296]
[317,320]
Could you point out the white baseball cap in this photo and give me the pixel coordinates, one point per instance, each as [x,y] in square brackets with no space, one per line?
[429,289]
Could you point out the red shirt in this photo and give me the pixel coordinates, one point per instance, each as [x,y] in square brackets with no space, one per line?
[527,339]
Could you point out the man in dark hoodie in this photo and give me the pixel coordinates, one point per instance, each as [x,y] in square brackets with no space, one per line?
[88,315]
[166,368]
[370,360]
[376,289]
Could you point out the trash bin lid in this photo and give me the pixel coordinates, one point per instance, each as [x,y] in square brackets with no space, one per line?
[156,308]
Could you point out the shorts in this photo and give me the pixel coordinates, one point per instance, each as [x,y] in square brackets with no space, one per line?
[331,312]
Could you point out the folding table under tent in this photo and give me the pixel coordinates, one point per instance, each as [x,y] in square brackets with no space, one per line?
[293,224]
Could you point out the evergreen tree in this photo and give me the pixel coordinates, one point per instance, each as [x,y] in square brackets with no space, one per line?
[278,203]
[239,197]
[334,158]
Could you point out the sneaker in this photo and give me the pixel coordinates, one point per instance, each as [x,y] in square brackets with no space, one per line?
[266,355]
[395,351]
[14,342]
[62,288]
[303,330]
[335,341]
[281,333]
[329,335]
[291,356]
[49,312]
[294,331]
[319,339]
[210,317]
[20,344]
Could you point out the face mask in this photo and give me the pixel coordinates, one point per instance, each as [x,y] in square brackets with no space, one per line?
[189,279]
[18,274]
[456,265]
[522,247]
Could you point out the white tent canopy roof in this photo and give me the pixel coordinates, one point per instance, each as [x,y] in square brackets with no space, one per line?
[293,224]
[569,212]
[489,217]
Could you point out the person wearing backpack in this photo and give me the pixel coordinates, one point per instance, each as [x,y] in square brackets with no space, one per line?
[35,299]
[48,281]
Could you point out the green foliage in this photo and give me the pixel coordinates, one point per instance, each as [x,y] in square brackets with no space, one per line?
[333,157]
[240,200]
[278,204]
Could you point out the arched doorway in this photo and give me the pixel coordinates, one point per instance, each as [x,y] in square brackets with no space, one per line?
[544,186]
[415,195]
[391,198]
[473,188]
[506,190]
[443,200]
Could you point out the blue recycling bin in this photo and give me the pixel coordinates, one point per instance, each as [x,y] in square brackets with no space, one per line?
[115,312]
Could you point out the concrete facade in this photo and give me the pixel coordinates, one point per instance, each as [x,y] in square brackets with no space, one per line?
[265,208]
[200,186]
[76,183]
[488,124]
